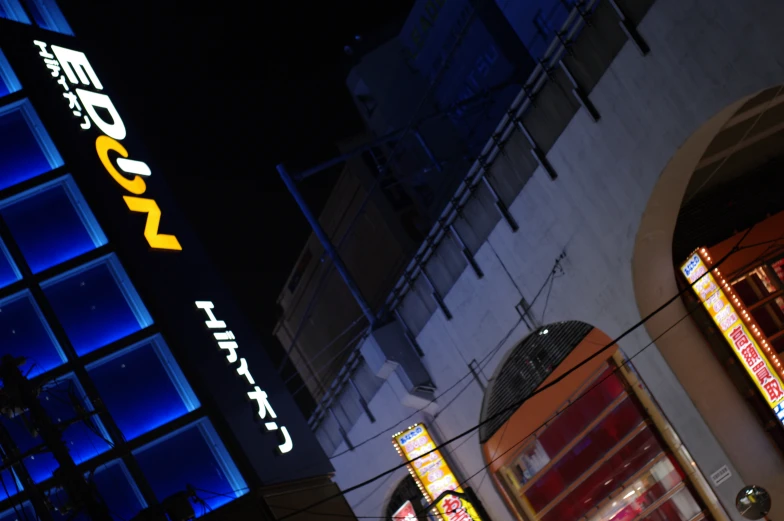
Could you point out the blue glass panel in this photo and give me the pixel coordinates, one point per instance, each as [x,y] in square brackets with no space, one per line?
[47,14]
[8,81]
[12,10]
[9,485]
[25,149]
[52,224]
[23,333]
[193,456]
[96,304]
[142,387]
[84,439]
[9,273]
[23,512]
[119,492]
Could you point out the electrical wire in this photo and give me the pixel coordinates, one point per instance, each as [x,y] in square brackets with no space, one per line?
[514,406]
[350,344]
[327,346]
[583,394]
[486,359]
[734,148]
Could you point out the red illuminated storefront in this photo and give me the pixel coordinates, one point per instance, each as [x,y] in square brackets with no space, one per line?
[743,299]
[595,452]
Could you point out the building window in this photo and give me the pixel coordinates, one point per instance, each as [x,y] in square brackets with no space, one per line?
[9,273]
[13,10]
[762,292]
[52,224]
[82,433]
[24,333]
[193,455]
[8,81]
[118,490]
[25,148]
[21,513]
[128,397]
[47,14]
[9,487]
[96,304]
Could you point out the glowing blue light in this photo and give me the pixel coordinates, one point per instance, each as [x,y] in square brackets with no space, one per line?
[52,224]
[96,304]
[25,149]
[139,403]
[8,81]
[23,333]
[47,14]
[192,455]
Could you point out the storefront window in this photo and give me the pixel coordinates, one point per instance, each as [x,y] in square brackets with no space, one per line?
[610,466]
[762,292]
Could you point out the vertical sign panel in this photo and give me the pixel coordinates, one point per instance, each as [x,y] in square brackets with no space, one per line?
[432,473]
[735,331]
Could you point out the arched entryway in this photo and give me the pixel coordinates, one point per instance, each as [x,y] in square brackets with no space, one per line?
[741,140]
[592,446]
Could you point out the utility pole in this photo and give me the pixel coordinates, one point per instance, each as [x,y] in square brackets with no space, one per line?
[21,393]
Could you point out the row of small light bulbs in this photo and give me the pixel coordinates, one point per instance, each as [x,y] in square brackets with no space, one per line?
[745,315]
[409,466]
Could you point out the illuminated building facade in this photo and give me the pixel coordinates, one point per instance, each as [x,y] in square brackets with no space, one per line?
[587,214]
[151,376]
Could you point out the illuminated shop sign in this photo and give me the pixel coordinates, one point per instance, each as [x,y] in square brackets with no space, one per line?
[93,108]
[737,326]
[405,513]
[227,342]
[432,473]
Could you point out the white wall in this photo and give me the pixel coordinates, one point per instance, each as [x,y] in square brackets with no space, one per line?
[704,55]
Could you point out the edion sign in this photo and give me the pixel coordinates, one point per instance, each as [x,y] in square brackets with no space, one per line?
[226,342]
[81,86]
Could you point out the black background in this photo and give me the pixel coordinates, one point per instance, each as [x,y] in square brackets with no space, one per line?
[221,93]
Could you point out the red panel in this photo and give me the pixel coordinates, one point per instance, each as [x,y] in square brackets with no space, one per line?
[576,418]
[614,472]
[590,449]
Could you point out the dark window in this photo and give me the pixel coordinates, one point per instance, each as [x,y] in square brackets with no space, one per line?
[82,432]
[128,397]
[96,304]
[193,455]
[9,273]
[25,149]
[23,333]
[52,224]
[8,81]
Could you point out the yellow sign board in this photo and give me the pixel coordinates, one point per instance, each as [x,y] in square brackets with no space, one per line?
[735,331]
[432,473]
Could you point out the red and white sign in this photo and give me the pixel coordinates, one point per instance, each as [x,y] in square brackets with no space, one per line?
[405,513]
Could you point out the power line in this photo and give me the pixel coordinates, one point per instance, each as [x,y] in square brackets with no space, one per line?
[581,395]
[514,406]
[488,356]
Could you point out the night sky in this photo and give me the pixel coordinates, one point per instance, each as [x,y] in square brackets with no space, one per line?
[222,93]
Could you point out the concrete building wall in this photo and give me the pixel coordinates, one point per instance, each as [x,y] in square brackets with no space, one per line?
[704,57]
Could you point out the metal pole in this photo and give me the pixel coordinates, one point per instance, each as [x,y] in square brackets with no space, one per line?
[328,246]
